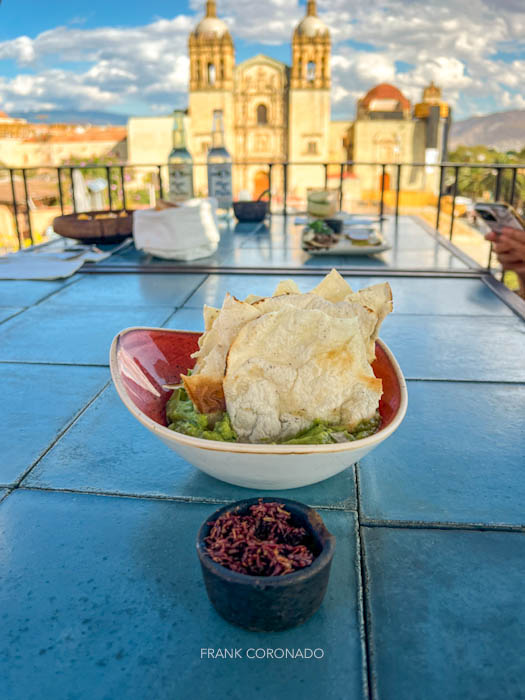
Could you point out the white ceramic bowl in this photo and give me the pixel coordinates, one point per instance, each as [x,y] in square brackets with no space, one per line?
[143,360]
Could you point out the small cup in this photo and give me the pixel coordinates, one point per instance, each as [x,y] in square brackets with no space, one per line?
[269,603]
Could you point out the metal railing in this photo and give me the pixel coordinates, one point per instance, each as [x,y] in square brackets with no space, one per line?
[503,181]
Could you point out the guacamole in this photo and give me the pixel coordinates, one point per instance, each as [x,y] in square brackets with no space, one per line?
[183,418]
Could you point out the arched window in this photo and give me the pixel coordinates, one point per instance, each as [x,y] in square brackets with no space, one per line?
[262,114]
[211,74]
[310,71]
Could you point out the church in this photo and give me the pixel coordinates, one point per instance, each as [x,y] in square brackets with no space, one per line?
[275,113]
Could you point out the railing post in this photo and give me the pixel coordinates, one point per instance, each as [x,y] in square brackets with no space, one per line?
[270,165]
[381,203]
[456,170]
[30,227]
[341,180]
[441,177]
[285,188]
[497,193]
[60,193]
[108,175]
[161,189]
[513,186]
[73,191]
[15,209]
[123,187]
[398,186]
[325,165]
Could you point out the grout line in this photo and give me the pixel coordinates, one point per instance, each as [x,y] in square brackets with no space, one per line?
[6,494]
[199,500]
[53,364]
[436,525]
[68,425]
[21,310]
[180,306]
[365,612]
[443,380]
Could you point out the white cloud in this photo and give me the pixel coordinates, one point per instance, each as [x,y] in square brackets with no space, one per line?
[148,64]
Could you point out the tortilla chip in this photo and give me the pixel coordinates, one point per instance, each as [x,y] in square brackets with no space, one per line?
[333,287]
[293,366]
[286,287]
[378,297]
[251,298]
[210,313]
[204,385]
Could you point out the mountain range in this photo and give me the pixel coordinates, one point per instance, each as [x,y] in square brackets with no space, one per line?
[504,131]
[58,116]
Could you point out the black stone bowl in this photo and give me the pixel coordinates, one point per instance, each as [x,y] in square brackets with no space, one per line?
[265,603]
[250,211]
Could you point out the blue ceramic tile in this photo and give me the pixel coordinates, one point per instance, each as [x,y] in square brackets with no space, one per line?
[122,457]
[457,347]
[447,614]
[8,311]
[212,291]
[36,404]
[438,295]
[129,290]
[444,296]
[80,335]
[186,319]
[103,598]
[26,293]
[458,457]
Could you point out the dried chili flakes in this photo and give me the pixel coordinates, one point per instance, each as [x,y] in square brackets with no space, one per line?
[263,542]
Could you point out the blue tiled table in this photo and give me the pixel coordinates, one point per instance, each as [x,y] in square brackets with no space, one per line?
[101,595]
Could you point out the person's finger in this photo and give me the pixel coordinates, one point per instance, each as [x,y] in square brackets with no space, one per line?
[518,268]
[491,236]
[502,247]
[506,258]
[512,242]
[514,234]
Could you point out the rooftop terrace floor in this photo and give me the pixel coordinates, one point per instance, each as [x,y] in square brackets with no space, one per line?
[101,594]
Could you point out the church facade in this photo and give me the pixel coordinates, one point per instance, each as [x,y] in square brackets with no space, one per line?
[275,113]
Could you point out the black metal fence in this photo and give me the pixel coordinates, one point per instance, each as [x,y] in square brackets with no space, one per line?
[495,181]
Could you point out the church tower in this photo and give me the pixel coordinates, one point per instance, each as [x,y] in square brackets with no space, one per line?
[212,62]
[309,106]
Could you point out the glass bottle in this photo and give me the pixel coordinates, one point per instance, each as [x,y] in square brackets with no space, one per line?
[180,162]
[219,164]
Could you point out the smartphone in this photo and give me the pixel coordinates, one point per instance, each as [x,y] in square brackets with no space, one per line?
[498,215]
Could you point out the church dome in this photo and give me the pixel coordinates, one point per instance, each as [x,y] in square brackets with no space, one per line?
[385,91]
[311,26]
[211,26]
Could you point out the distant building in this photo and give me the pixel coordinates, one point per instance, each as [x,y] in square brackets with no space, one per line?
[277,113]
[30,145]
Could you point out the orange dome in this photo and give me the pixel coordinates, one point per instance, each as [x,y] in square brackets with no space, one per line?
[385,91]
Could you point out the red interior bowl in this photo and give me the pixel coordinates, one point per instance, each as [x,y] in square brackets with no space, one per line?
[150,358]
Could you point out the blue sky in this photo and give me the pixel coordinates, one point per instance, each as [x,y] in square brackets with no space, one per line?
[130,56]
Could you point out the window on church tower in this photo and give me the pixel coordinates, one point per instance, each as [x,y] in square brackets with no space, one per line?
[262,114]
[211,74]
[310,71]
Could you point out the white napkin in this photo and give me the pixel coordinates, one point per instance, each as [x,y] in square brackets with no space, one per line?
[187,232]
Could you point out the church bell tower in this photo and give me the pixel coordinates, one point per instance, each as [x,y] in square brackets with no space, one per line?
[212,63]
[309,106]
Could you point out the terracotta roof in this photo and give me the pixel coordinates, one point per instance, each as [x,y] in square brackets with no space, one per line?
[37,189]
[110,133]
[385,91]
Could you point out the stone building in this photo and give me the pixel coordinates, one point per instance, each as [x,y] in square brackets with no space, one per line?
[274,113]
